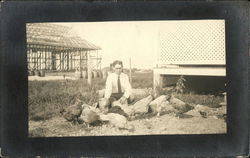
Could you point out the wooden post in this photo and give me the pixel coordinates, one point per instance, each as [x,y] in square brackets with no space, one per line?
[80,63]
[73,60]
[63,58]
[51,60]
[45,58]
[130,72]
[157,80]
[32,58]
[67,60]
[41,56]
[60,58]
[89,68]
[100,63]
[51,57]
[40,59]
[36,59]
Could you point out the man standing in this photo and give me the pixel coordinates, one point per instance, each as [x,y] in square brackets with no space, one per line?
[117,85]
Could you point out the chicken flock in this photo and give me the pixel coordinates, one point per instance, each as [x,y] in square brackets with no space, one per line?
[118,115]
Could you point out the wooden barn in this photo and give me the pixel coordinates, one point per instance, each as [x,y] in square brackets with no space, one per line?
[56,47]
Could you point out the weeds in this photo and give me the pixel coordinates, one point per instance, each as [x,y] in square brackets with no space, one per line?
[46,98]
[179,88]
[208,100]
[142,80]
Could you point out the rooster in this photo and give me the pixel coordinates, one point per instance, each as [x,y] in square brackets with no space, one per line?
[72,112]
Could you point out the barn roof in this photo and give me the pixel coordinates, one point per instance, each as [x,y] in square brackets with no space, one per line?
[56,35]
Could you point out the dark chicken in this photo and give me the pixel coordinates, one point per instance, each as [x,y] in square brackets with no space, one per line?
[72,112]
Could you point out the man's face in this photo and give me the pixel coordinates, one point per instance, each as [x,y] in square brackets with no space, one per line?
[118,69]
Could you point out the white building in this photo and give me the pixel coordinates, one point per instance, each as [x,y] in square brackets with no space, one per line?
[190,48]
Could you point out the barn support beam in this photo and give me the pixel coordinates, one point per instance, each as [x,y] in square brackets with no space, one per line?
[67,60]
[89,68]
[80,64]
[45,60]
[36,59]
[74,65]
[60,58]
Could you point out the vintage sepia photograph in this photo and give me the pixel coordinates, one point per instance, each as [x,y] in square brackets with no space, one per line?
[124,78]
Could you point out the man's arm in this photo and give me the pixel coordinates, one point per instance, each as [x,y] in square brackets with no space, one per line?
[108,88]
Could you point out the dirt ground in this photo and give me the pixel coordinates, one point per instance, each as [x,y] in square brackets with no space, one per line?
[50,78]
[190,123]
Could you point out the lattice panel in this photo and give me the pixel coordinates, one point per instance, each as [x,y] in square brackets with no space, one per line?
[192,42]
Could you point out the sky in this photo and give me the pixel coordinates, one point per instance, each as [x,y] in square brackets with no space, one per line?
[121,41]
[141,42]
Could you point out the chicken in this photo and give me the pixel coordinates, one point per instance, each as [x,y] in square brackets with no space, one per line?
[165,107]
[89,115]
[203,114]
[116,120]
[104,105]
[161,107]
[155,105]
[206,111]
[118,103]
[125,109]
[222,116]
[118,110]
[72,112]
[142,106]
[180,106]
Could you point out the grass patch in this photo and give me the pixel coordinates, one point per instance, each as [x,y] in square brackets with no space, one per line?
[46,98]
[142,80]
[208,100]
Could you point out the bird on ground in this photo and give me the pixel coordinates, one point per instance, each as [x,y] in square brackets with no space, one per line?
[156,104]
[117,120]
[103,104]
[118,110]
[72,112]
[142,106]
[164,107]
[203,114]
[89,115]
[206,111]
[180,106]
[222,116]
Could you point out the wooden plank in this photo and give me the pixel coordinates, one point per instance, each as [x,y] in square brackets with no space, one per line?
[45,51]
[195,71]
